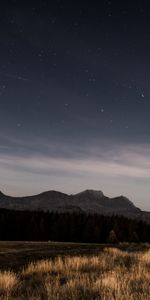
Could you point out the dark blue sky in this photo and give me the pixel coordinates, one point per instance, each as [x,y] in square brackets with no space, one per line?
[74,97]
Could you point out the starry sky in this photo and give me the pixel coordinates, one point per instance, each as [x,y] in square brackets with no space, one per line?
[74,97]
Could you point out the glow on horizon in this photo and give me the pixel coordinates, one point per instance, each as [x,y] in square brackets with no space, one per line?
[126,172]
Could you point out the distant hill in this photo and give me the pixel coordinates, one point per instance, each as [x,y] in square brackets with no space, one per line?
[88,201]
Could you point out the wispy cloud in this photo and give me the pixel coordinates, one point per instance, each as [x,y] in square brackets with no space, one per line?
[31,167]
[15,76]
[128,162]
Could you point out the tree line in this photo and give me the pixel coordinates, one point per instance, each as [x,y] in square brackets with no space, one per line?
[70,227]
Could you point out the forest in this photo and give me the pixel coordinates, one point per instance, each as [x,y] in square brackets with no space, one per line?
[70,227]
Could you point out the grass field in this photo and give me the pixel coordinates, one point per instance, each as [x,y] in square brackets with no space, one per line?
[15,255]
[64,271]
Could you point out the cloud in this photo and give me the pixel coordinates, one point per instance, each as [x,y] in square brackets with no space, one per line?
[111,167]
[131,162]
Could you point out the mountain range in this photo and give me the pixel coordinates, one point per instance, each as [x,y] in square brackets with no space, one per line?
[88,201]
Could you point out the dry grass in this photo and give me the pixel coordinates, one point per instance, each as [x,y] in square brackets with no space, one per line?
[8,280]
[111,275]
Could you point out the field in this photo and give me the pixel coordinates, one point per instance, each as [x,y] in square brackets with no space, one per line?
[65,271]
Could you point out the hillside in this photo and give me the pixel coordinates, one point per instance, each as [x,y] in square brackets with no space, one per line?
[87,201]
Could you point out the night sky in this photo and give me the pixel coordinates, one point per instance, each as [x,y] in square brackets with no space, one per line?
[75,98]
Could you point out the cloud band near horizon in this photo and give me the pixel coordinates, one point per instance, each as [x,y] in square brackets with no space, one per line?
[115,169]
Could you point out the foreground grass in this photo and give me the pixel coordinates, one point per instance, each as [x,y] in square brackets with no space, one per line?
[15,255]
[111,274]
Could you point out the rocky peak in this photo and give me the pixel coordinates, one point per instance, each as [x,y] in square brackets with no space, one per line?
[91,193]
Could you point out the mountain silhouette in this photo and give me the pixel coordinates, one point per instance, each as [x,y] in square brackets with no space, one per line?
[88,201]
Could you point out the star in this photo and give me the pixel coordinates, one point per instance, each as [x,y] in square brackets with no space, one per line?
[2,88]
[92,80]
[76,24]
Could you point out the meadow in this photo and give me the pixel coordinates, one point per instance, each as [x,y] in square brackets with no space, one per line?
[76,272]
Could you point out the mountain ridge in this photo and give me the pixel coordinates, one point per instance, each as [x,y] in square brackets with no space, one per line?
[87,201]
